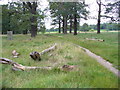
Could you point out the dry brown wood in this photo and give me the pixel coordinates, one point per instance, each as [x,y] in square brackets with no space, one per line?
[17,66]
[37,56]
[68,67]
[21,67]
[6,61]
[49,49]
[15,53]
[101,40]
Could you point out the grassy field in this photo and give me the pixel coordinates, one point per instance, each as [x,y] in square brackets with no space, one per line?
[89,73]
[108,49]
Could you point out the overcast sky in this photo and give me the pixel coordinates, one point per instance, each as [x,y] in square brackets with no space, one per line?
[93,8]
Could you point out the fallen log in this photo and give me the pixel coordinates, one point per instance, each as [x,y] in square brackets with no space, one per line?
[101,40]
[23,68]
[17,66]
[37,56]
[49,49]
[67,67]
[6,61]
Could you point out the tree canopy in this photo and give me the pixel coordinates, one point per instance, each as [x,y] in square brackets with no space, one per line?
[21,17]
[62,12]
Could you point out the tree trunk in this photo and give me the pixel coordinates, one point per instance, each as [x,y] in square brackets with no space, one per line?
[9,25]
[75,25]
[70,24]
[9,21]
[119,10]
[59,26]
[24,31]
[33,19]
[33,30]
[99,18]
[75,21]
[65,25]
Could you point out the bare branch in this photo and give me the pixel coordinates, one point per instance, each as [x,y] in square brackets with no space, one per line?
[98,2]
[37,56]
[26,5]
[112,18]
[29,4]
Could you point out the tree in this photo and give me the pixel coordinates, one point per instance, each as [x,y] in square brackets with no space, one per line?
[99,16]
[62,11]
[32,7]
[11,17]
[75,20]
[55,8]
[71,22]
[59,23]
[5,19]
[85,27]
[41,27]
[57,20]
[25,22]
[113,9]
[79,12]
[112,12]
[21,17]
[74,11]
[36,16]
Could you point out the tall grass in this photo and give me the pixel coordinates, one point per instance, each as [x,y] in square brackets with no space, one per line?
[89,73]
[108,49]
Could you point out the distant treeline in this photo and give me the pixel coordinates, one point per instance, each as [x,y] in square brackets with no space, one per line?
[107,26]
[85,27]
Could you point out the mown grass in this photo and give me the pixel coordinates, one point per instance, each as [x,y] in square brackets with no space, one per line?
[89,73]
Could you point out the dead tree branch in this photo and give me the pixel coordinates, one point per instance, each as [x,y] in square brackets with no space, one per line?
[49,49]
[17,66]
[20,67]
[94,39]
[37,56]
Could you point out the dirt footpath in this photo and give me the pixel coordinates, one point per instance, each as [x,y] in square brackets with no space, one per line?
[102,61]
